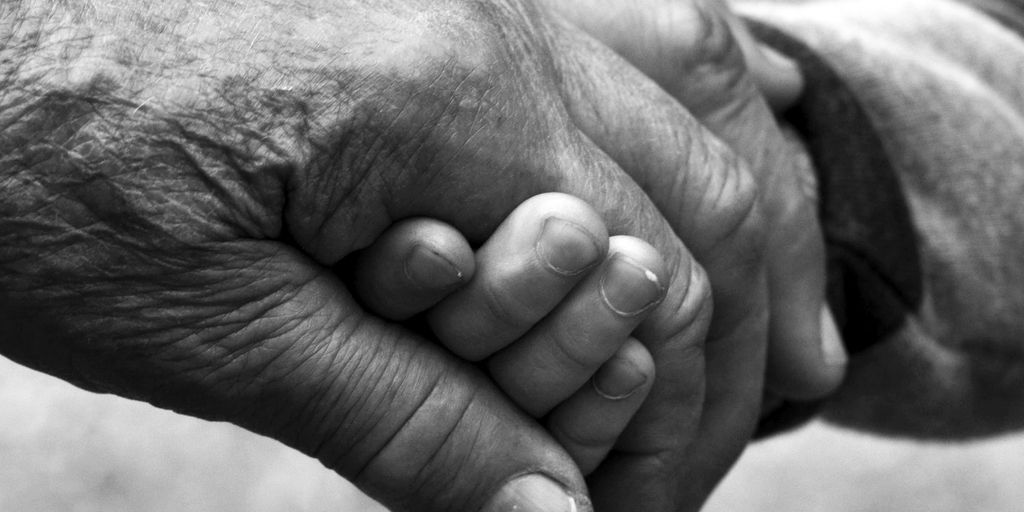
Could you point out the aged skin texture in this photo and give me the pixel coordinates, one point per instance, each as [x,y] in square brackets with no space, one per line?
[179,178]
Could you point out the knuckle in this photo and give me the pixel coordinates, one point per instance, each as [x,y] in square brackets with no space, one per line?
[426,450]
[689,304]
[508,305]
[700,32]
[425,76]
[709,55]
[576,353]
[737,222]
[588,438]
[748,230]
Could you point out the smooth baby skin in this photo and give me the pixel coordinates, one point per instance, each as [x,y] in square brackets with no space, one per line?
[550,303]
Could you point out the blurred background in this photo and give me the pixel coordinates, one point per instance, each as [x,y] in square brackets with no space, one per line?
[67,450]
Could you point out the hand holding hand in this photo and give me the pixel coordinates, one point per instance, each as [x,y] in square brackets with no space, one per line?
[704,57]
[177,183]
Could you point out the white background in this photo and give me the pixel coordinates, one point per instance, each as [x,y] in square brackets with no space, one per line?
[63,449]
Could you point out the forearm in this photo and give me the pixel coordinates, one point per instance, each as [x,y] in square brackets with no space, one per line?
[939,86]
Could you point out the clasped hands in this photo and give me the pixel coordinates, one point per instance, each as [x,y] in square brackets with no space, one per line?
[187,210]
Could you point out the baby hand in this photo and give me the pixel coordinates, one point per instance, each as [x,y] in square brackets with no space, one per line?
[548,301]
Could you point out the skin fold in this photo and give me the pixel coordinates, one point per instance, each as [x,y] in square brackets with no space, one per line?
[183,182]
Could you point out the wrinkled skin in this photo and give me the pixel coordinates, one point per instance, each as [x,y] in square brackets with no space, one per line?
[178,184]
[696,51]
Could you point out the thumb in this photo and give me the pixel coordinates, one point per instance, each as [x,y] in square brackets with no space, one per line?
[257,334]
[423,431]
[404,420]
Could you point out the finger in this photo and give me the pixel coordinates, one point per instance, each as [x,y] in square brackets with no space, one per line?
[709,197]
[409,424]
[588,173]
[411,267]
[532,261]
[563,351]
[589,422]
[481,188]
[655,35]
[267,339]
[695,51]
[798,366]
[776,76]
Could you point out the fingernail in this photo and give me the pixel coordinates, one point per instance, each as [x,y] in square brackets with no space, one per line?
[531,493]
[832,351]
[628,288]
[566,247]
[429,270]
[618,379]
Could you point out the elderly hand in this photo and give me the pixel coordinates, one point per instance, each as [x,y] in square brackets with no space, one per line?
[179,178]
[693,50]
[704,57]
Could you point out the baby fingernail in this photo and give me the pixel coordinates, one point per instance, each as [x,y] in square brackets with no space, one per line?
[531,493]
[628,288]
[430,270]
[618,379]
[566,247]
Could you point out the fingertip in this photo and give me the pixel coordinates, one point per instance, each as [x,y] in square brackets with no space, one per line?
[525,269]
[643,253]
[777,77]
[452,260]
[412,266]
[589,423]
[431,270]
[811,368]
[532,493]
[629,288]
[634,278]
[567,248]
[627,373]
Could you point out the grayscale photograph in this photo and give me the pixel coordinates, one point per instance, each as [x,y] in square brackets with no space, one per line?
[512,255]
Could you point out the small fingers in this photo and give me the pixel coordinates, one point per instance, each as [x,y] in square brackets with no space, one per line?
[589,422]
[684,431]
[563,351]
[529,264]
[411,267]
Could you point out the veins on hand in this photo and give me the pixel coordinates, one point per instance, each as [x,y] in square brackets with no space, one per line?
[104,194]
